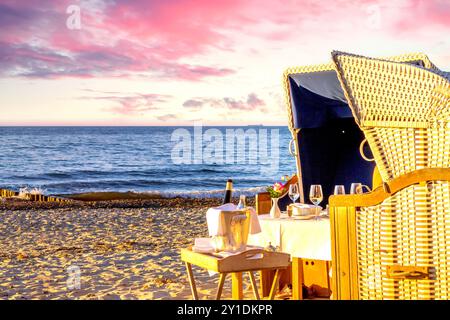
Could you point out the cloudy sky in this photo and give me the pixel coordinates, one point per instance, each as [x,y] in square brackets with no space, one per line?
[172,62]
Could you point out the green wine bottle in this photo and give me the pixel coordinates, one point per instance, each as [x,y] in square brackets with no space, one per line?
[228,191]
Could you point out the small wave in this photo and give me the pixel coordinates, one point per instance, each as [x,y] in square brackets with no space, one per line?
[249,192]
[56,175]
[133,195]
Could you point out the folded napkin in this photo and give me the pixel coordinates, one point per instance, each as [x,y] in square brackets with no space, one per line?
[303,209]
[303,205]
[203,245]
[215,223]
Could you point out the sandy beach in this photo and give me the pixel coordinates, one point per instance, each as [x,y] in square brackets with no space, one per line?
[125,249]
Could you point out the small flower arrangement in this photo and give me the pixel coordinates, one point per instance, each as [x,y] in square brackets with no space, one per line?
[276,190]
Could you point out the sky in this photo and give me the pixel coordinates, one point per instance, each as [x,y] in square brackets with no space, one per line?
[179,62]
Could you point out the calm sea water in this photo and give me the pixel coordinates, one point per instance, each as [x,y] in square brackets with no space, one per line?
[67,160]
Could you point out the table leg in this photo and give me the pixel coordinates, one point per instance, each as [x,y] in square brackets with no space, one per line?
[255,289]
[266,278]
[220,287]
[328,275]
[191,281]
[297,279]
[274,288]
[236,286]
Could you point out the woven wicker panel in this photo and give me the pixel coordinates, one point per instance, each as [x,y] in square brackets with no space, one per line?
[401,150]
[439,102]
[387,93]
[411,228]
[403,110]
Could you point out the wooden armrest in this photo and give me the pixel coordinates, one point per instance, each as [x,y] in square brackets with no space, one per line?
[359,200]
[387,189]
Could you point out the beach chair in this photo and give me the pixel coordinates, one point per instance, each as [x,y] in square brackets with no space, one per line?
[328,145]
[393,243]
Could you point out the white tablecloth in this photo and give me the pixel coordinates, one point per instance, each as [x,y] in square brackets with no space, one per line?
[307,239]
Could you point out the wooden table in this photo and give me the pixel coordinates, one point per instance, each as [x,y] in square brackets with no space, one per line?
[307,241]
[254,259]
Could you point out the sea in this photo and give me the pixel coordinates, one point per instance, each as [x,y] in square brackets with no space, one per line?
[163,161]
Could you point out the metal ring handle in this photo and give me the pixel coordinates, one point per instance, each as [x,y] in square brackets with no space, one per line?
[292,153]
[408,274]
[361,151]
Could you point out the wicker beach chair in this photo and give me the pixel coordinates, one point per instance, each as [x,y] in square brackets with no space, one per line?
[394,243]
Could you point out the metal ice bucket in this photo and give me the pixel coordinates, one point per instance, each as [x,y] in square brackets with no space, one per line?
[236,225]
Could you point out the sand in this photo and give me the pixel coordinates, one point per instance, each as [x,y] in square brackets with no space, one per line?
[120,249]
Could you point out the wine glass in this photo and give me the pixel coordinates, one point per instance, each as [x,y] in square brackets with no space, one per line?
[316,197]
[339,189]
[356,188]
[293,192]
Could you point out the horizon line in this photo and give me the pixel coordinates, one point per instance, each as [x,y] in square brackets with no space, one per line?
[143,126]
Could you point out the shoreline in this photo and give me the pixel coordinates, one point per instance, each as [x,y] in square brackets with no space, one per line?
[133,195]
[97,203]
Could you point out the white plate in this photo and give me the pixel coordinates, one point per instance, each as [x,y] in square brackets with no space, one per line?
[306,217]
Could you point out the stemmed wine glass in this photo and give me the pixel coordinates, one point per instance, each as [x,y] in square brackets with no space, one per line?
[316,197]
[293,192]
[358,188]
[339,189]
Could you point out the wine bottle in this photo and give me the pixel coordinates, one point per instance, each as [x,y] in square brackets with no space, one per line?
[228,190]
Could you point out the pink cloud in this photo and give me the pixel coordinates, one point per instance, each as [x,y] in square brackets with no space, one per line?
[235,104]
[139,36]
[167,117]
[131,104]
[193,103]
[251,102]
[174,28]
[167,39]
[254,101]
[423,14]
[116,41]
